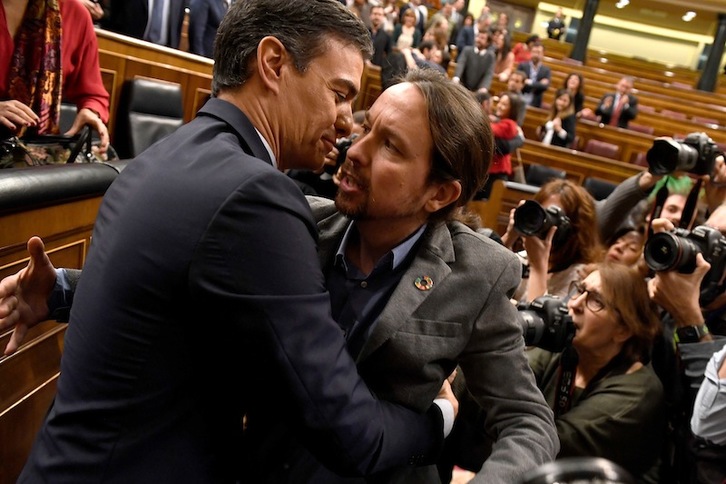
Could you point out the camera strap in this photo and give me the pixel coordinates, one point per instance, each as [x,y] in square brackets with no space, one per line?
[565,381]
[660,198]
[691,203]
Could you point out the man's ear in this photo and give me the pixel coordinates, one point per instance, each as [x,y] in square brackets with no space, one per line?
[445,194]
[271,59]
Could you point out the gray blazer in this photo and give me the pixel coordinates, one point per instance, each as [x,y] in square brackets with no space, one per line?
[465,319]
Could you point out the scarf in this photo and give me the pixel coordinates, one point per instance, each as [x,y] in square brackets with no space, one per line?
[35,69]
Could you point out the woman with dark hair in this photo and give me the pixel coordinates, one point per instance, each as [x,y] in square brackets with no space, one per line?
[504,57]
[556,261]
[559,128]
[608,401]
[504,127]
[574,83]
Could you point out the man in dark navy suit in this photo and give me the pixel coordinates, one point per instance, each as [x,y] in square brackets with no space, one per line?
[135,18]
[204,19]
[202,299]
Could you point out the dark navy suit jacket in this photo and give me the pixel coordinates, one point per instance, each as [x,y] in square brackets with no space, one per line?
[201,301]
[204,19]
[129,17]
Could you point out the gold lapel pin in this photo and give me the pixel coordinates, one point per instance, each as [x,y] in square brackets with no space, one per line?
[423,283]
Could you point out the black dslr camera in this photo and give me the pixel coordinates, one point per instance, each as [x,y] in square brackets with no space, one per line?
[531,218]
[677,250]
[696,154]
[546,323]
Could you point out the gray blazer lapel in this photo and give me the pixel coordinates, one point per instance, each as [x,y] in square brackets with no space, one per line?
[432,260]
[331,227]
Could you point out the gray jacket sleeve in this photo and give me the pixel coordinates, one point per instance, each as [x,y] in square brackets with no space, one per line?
[610,210]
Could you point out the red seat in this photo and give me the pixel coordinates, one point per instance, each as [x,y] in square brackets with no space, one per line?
[702,120]
[641,128]
[673,114]
[602,148]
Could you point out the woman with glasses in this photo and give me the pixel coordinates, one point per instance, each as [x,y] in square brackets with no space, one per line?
[607,400]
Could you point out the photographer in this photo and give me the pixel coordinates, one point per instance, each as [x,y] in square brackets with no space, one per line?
[554,259]
[607,400]
[693,329]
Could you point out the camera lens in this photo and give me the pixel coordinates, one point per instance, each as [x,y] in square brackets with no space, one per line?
[529,218]
[533,327]
[665,252]
[668,155]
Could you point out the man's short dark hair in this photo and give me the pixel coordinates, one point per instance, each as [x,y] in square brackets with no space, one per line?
[303,27]
[462,136]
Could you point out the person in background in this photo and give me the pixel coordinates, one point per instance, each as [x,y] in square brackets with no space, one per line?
[204,19]
[620,107]
[554,262]
[218,216]
[504,56]
[475,65]
[405,34]
[156,21]
[465,35]
[556,26]
[559,128]
[537,77]
[575,84]
[522,50]
[382,44]
[49,54]
[504,128]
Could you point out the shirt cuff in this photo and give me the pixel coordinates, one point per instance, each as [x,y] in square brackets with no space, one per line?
[61,298]
[447,411]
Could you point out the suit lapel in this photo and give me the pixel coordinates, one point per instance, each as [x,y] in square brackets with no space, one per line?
[432,260]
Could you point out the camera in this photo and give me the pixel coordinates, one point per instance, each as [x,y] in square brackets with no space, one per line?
[342,145]
[696,154]
[531,218]
[677,250]
[546,323]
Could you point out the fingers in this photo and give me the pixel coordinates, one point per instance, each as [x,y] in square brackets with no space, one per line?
[87,117]
[14,114]
[16,339]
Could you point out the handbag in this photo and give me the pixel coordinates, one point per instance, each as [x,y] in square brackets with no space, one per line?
[36,150]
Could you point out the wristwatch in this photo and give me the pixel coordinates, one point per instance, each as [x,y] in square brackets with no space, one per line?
[690,334]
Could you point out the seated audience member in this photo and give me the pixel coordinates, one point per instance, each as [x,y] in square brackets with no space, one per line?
[405,34]
[608,401]
[49,54]
[502,23]
[537,76]
[504,128]
[620,107]
[575,84]
[556,261]
[504,64]
[475,65]
[204,19]
[515,84]
[438,160]
[559,129]
[521,50]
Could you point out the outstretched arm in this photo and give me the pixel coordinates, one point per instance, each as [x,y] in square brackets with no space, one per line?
[24,295]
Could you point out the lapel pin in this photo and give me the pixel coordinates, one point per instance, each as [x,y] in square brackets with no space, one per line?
[423,283]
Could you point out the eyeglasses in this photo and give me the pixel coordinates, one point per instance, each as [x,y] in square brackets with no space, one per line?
[593,299]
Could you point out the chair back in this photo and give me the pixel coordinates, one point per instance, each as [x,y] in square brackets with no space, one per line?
[602,148]
[599,189]
[538,175]
[149,109]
